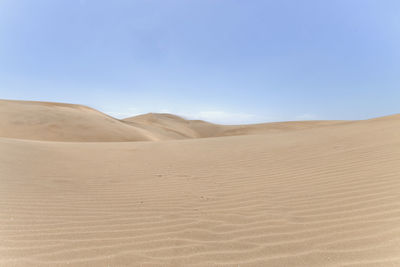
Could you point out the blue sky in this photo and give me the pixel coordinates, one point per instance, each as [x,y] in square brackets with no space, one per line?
[227,61]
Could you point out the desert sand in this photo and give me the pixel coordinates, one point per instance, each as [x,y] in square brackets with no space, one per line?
[80,188]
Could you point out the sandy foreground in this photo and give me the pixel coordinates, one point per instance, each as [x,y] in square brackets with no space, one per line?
[283,194]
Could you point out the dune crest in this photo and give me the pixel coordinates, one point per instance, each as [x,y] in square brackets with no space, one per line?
[63,122]
[49,121]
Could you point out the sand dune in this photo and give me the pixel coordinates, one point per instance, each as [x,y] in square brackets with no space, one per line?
[294,195]
[66,122]
[176,127]
[63,122]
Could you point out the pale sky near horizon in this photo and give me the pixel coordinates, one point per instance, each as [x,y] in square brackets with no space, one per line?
[226,61]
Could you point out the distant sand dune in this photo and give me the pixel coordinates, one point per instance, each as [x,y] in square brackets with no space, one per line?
[179,128]
[294,195]
[66,122]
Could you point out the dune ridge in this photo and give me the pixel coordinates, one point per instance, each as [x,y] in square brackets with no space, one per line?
[292,195]
[63,122]
[50,121]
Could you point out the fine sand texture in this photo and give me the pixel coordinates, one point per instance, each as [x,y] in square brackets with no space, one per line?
[280,194]
[76,123]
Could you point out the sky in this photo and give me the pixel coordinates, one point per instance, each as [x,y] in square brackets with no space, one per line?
[225,61]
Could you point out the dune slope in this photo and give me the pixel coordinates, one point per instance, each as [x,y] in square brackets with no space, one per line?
[49,121]
[326,196]
[63,122]
[175,127]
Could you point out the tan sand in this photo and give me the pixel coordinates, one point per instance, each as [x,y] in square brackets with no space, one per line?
[67,122]
[294,195]
[63,122]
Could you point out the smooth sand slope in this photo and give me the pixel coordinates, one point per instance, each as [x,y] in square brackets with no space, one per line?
[174,127]
[320,196]
[63,122]
[48,121]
